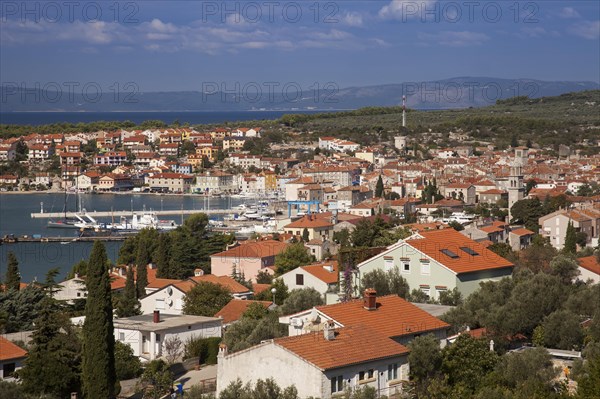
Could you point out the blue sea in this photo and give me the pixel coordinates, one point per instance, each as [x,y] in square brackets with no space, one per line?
[193,118]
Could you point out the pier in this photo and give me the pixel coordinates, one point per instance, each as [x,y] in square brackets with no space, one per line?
[94,214]
[65,240]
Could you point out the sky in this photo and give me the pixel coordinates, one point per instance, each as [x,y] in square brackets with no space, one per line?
[194,45]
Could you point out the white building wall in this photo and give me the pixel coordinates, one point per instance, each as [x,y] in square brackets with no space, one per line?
[270,361]
[585,275]
[171,304]
[310,281]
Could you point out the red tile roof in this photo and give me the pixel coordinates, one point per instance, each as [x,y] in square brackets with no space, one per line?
[522,232]
[235,308]
[10,351]
[433,242]
[319,271]
[352,345]
[393,317]
[254,249]
[590,263]
[309,222]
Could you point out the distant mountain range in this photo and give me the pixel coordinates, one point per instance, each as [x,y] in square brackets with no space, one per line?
[461,92]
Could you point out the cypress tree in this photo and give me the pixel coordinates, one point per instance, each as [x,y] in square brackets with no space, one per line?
[570,239]
[129,305]
[141,281]
[98,368]
[379,188]
[13,277]
[305,235]
[162,256]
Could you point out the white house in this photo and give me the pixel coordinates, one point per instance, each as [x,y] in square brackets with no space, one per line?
[390,315]
[146,334]
[589,269]
[167,295]
[322,364]
[322,276]
[12,358]
[437,261]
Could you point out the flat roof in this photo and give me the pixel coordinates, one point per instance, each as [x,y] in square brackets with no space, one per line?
[145,322]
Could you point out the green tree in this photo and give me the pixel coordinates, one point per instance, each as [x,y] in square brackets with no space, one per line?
[281,292]
[156,379]
[564,268]
[206,299]
[379,188]
[425,359]
[450,298]
[305,235]
[50,284]
[530,372]
[570,239]
[385,283]
[162,257]
[528,212]
[128,303]
[248,331]
[589,378]
[142,281]
[291,257]
[19,309]
[502,249]
[456,225]
[264,277]
[127,365]
[467,361]
[562,330]
[301,299]
[98,366]
[52,366]
[12,280]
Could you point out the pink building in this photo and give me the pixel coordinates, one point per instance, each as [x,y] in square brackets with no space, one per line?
[248,258]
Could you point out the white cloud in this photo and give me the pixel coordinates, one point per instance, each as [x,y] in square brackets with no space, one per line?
[353,19]
[569,12]
[455,39]
[586,29]
[405,9]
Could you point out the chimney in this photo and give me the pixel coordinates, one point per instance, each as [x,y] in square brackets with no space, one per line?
[222,350]
[329,330]
[156,316]
[370,299]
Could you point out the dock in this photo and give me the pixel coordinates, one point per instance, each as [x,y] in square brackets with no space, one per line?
[64,239]
[107,214]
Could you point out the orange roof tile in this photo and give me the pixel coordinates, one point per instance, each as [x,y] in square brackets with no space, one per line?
[9,351]
[235,308]
[522,232]
[590,263]
[433,242]
[309,222]
[393,317]
[258,288]
[254,249]
[225,281]
[352,345]
[319,271]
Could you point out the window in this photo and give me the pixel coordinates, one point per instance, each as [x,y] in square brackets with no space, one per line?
[9,369]
[393,372]
[365,375]
[122,336]
[159,304]
[388,263]
[469,251]
[337,384]
[157,337]
[426,291]
[406,267]
[299,279]
[425,268]
[449,253]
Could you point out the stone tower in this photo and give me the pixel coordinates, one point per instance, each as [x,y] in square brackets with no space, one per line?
[516,188]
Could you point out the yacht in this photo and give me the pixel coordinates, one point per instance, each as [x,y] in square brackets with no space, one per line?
[145,220]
